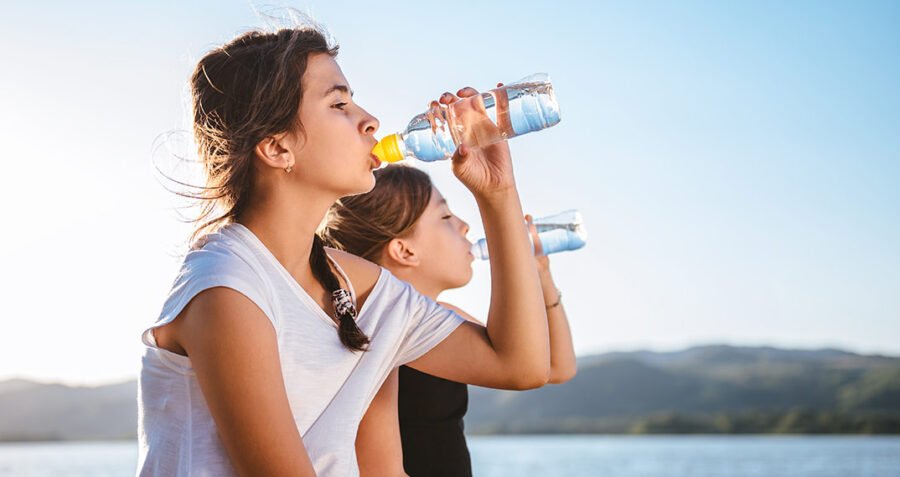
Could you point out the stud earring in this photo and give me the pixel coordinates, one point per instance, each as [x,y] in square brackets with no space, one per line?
[288,169]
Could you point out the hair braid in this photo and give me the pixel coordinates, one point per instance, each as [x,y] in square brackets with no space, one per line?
[348,331]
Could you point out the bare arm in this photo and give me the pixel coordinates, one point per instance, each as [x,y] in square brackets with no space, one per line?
[233,350]
[562,353]
[513,351]
[379,451]
[563,364]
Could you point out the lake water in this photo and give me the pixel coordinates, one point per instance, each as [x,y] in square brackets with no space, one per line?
[552,456]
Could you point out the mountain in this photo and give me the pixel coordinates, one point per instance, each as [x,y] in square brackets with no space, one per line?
[708,389]
[705,389]
[49,412]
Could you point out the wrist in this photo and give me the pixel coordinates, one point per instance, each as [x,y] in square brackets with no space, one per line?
[496,195]
[553,301]
[501,210]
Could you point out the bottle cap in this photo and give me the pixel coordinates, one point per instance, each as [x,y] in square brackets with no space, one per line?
[388,149]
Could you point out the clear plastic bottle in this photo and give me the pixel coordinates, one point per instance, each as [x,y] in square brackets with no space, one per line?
[557,233]
[477,121]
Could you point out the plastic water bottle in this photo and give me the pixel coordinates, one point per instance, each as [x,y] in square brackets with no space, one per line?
[477,121]
[557,233]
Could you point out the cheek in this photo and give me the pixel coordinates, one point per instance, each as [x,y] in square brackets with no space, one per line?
[325,134]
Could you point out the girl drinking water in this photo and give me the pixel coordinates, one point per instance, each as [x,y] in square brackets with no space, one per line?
[405,225]
[270,347]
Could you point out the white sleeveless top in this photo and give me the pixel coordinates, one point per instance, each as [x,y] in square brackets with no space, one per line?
[328,386]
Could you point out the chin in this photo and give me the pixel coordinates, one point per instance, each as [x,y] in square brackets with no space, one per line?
[464,278]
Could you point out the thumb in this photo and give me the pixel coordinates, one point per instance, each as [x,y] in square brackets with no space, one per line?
[461,155]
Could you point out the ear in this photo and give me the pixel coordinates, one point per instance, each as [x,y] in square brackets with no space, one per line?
[277,151]
[399,252]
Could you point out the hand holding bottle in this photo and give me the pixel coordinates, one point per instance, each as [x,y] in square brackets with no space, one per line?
[542,259]
[556,233]
[485,170]
[502,113]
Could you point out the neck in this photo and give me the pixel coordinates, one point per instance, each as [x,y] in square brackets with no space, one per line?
[286,224]
[422,286]
[430,293]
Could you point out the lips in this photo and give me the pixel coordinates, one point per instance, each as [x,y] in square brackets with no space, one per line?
[375,162]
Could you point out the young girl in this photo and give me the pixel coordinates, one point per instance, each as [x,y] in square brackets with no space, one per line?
[269,347]
[405,225]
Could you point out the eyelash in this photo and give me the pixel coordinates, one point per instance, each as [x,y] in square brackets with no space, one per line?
[339,106]
[446,217]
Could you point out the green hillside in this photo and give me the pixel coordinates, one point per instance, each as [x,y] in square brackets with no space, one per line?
[711,389]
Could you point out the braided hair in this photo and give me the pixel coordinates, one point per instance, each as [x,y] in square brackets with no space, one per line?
[349,333]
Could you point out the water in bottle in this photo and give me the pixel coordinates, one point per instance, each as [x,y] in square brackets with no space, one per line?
[557,233]
[477,121]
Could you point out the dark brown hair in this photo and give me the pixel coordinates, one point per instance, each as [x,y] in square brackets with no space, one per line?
[364,224]
[243,92]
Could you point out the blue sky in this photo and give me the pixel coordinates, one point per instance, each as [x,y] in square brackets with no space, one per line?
[737,164]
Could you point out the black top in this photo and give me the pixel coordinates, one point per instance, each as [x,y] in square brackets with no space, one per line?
[431,425]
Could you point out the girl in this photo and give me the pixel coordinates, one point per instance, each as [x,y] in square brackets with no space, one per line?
[405,225]
[269,347]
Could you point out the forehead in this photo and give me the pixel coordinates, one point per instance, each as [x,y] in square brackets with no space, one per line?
[437,200]
[321,75]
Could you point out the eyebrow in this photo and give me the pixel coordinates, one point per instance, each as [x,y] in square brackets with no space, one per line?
[339,87]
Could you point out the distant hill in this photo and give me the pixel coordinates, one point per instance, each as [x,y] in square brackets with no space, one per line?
[709,389]
[705,389]
[48,412]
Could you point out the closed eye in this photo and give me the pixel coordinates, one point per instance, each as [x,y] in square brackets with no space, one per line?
[447,217]
[340,106]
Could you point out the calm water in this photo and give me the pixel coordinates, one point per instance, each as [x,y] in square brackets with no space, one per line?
[552,456]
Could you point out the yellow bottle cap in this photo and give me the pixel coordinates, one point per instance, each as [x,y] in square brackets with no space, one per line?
[388,149]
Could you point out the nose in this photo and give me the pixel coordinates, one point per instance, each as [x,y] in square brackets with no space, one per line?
[369,123]
[464,226]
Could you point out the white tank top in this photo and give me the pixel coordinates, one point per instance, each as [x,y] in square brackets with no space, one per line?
[328,386]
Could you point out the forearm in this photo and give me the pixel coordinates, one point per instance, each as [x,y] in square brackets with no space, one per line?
[379,451]
[517,323]
[562,353]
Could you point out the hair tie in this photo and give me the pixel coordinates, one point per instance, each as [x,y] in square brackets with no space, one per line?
[343,304]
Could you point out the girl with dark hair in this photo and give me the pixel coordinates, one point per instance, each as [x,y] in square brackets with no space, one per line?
[270,347]
[405,225]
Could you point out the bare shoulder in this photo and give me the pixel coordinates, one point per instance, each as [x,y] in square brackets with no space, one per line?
[363,273]
[461,313]
[213,312]
[222,313]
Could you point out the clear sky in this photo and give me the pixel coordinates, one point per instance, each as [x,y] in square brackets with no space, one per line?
[737,164]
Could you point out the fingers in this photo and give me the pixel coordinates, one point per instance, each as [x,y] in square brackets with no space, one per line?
[466,92]
[461,155]
[432,116]
[448,98]
[535,239]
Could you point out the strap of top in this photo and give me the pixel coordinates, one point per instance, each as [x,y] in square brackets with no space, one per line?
[345,277]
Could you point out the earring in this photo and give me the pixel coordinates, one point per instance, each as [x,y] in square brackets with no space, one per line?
[288,169]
